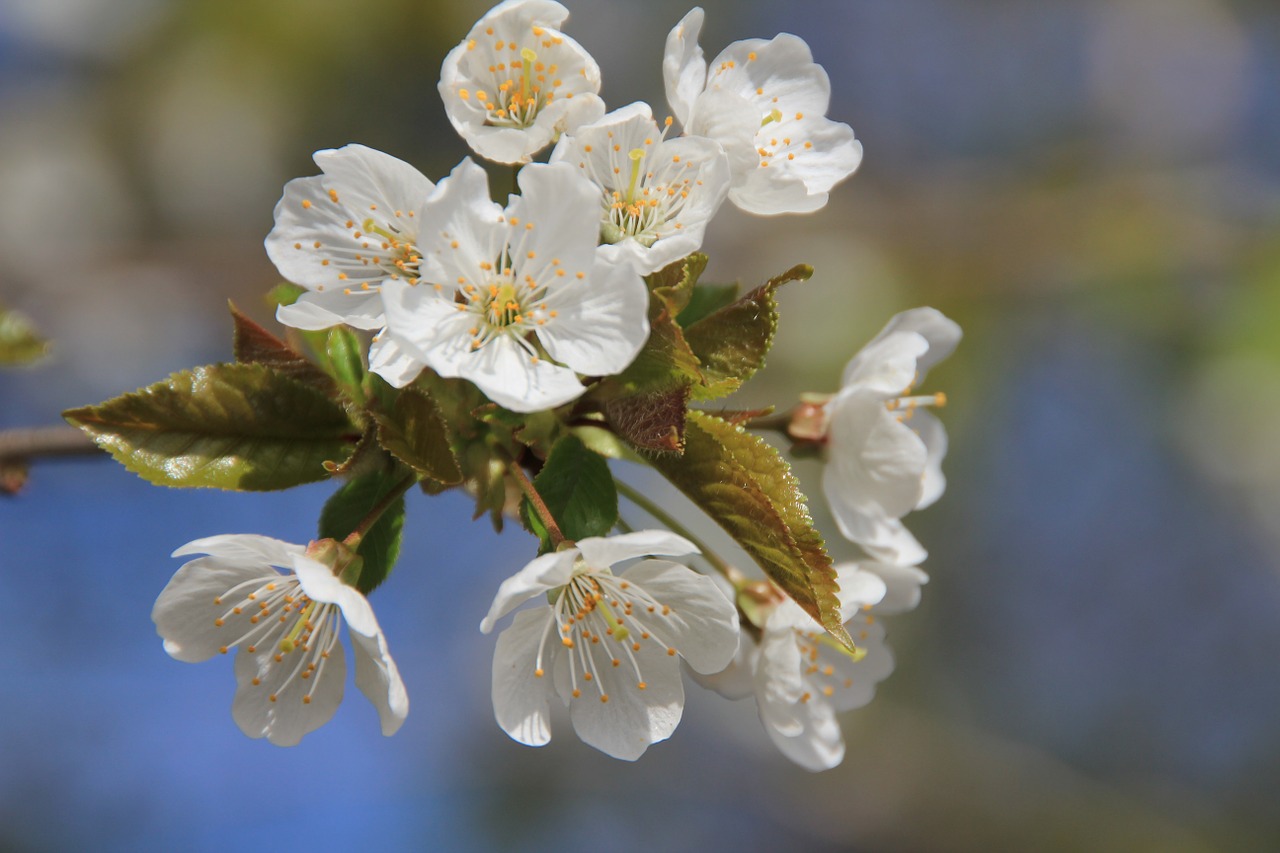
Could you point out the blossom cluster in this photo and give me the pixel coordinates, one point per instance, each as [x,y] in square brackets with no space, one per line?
[532,302]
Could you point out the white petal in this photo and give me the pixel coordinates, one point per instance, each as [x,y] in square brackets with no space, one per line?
[732,121]
[522,700]
[875,462]
[819,744]
[185,612]
[779,684]
[941,332]
[684,70]
[834,155]
[564,209]
[889,541]
[632,718]
[702,624]
[769,191]
[379,680]
[316,310]
[322,585]
[737,680]
[603,320]
[858,589]
[393,362]
[286,720]
[365,178]
[508,377]
[601,552]
[461,228]
[853,683]
[888,364]
[782,67]
[247,549]
[540,575]
[934,436]
[902,585]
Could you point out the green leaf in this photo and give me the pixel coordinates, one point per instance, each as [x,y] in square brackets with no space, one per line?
[705,299]
[732,342]
[380,546]
[577,488]
[225,426]
[252,344]
[749,490]
[413,432]
[675,282]
[19,343]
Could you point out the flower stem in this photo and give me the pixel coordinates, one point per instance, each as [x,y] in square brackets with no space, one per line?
[362,529]
[719,563]
[535,501]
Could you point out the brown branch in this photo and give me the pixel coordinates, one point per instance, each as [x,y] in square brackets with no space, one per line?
[26,444]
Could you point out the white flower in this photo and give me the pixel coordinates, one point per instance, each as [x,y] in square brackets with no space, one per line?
[519,301]
[516,82]
[657,194]
[766,103]
[345,235]
[801,677]
[289,669]
[884,451]
[607,645]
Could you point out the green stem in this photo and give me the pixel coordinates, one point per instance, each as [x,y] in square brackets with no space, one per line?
[362,529]
[535,501]
[721,565]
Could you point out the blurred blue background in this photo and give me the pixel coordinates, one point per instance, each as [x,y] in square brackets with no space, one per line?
[1091,189]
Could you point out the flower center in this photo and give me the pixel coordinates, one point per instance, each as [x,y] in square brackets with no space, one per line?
[521,88]
[649,206]
[291,634]
[908,405]
[820,672]
[604,623]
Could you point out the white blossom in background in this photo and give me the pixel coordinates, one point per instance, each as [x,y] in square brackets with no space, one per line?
[345,235]
[766,103]
[801,677]
[517,300]
[884,450]
[656,194]
[516,83]
[290,670]
[607,645]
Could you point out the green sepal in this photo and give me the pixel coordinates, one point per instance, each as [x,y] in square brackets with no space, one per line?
[410,428]
[705,299]
[347,507]
[344,360]
[577,488]
[253,344]
[19,342]
[731,343]
[227,426]
[748,489]
[284,293]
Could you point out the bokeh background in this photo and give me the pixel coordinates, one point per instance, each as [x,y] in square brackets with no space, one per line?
[1092,189]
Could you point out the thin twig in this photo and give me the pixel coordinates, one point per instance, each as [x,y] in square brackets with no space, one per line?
[539,506]
[25,444]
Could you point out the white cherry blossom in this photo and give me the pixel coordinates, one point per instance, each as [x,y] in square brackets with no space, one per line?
[802,678]
[884,450]
[766,103]
[607,645]
[656,194]
[517,300]
[515,83]
[346,234]
[289,665]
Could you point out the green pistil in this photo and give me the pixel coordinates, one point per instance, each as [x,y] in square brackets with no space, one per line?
[373,228]
[527,57]
[637,157]
[290,642]
[620,632]
[775,115]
